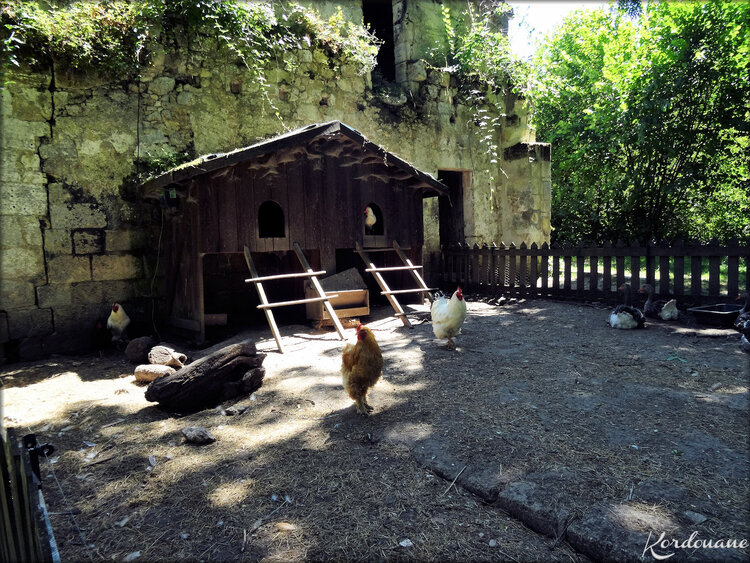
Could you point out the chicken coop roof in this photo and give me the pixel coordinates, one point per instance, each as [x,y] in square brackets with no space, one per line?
[332,138]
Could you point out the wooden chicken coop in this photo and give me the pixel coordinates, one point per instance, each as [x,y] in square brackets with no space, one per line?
[311,187]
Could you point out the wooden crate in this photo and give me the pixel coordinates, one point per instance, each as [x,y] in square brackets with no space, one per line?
[349,303]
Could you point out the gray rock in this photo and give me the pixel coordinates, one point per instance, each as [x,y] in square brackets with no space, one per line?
[162,85]
[138,348]
[198,435]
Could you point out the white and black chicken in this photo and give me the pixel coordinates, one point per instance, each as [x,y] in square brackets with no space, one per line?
[624,316]
[448,315]
[117,324]
[664,310]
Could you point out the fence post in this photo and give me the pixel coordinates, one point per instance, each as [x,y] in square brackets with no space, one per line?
[556,268]
[476,278]
[714,267]
[580,269]
[607,269]
[522,268]
[620,263]
[664,251]
[635,265]
[567,261]
[512,268]
[493,268]
[650,264]
[593,269]
[501,261]
[545,268]
[696,272]
[534,269]
[733,268]
[678,251]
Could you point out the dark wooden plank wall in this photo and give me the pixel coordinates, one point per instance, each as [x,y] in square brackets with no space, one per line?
[323,207]
[323,204]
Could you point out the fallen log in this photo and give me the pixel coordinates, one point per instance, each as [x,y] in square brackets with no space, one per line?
[230,372]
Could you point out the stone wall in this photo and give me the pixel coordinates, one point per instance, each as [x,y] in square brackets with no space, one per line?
[74,236]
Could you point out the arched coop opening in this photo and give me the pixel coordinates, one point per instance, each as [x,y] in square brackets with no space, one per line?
[374,221]
[271,220]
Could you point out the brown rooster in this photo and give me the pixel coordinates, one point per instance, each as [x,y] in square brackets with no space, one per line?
[361,366]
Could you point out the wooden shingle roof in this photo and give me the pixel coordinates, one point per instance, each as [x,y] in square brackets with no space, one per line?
[332,138]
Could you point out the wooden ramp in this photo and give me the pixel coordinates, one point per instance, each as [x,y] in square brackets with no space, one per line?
[386,290]
[267,307]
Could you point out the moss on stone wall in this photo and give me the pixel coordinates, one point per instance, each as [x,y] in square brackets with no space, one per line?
[75,144]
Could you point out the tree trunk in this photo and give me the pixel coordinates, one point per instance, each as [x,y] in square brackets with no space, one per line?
[227,373]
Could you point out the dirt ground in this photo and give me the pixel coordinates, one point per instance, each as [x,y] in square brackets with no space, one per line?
[546,436]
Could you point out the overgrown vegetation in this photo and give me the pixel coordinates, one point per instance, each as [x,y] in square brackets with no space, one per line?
[117,37]
[479,52]
[648,111]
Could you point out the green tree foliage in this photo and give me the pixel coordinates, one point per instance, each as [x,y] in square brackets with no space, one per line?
[649,121]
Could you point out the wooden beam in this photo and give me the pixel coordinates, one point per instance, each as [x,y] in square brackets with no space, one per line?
[264,300]
[393,268]
[383,285]
[412,269]
[294,302]
[319,289]
[415,290]
[285,276]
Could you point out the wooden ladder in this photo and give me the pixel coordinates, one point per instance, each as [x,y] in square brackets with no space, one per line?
[387,291]
[308,273]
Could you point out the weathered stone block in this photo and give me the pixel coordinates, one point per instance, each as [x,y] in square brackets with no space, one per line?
[57,242]
[185,98]
[109,267]
[88,292]
[25,264]
[54,295]
[16,294]
[417,71]
[26,323]
[22,199]
[19,231]
[161,86]
[77,215]
[29,102]
[88,241]
[69,269]
[125,240]
[120,291]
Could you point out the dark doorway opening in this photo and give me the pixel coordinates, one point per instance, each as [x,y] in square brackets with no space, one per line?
[452,210]
[271,220]
[378,14]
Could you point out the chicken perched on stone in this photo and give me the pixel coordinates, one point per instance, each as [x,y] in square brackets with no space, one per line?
[361,367]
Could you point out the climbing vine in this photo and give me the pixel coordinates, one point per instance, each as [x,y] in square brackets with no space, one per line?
[487,70]
[116,37]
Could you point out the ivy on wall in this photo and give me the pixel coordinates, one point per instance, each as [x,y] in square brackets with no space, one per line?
[116,38]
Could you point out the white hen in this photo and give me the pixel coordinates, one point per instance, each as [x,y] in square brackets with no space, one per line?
[448,316]
[117,323]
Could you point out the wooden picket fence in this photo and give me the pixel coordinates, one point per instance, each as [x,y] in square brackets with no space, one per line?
[698,273]
[25,531]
